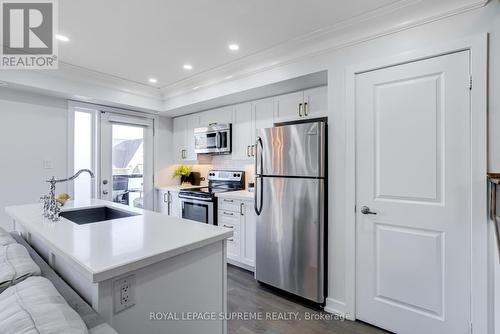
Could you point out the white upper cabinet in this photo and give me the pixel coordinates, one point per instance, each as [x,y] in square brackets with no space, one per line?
[242,132]
[222,115]
[310,103]
[184,138]
[316,102]
[246,118]
[263,116]
[289,106]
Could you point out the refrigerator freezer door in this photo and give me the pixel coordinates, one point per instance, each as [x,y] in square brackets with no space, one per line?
[290,236]
[292,150]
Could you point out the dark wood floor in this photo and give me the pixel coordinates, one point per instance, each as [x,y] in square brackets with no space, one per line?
[246,295]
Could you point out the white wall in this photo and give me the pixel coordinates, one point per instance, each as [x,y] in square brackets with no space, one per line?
[32,129]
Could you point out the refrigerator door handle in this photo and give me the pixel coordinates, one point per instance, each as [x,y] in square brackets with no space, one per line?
[257,157]
[257,207]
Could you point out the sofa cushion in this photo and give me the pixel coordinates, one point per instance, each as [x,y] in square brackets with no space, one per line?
[35,307]
[15,265]
[5,238]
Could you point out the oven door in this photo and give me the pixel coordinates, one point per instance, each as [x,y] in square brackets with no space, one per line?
[200,211]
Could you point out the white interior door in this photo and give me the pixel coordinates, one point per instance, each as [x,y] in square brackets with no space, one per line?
[413,254]
[126,174]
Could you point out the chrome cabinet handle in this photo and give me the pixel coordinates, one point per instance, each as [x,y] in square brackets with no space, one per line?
[252,151]
[230,239]
[228,226]
[300,109]
[305,109]
[241,208]
[166,197]
[228,200]
[228,213]
[366,211]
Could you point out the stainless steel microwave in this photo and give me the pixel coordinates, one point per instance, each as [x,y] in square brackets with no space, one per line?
[215,138]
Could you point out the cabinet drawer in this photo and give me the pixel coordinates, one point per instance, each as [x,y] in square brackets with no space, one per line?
[229,221]
[227,204]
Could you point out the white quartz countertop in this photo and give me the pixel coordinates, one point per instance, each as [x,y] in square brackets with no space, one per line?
[177,187]
[107,249]
[242,195]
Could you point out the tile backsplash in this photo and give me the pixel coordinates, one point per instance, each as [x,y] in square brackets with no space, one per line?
[223,162]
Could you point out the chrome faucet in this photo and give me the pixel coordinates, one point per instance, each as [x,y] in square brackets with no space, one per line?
[51,208]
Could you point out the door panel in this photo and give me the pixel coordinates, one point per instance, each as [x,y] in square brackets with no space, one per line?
[242,132]
[263,115]
[287,106]
[412,256]
[126,174]
[317,102]
[295,150]
[290,235]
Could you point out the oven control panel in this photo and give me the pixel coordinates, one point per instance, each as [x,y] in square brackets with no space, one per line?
[225,175]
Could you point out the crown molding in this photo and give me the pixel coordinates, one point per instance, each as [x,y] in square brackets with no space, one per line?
[390,20]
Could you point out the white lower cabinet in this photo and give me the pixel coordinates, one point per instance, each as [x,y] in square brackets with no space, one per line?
[169,203]
[239,216]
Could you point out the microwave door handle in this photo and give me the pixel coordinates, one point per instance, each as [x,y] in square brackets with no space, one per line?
[217,140]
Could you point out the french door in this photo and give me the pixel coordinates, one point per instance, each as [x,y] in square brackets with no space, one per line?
[413,196]
[126,171]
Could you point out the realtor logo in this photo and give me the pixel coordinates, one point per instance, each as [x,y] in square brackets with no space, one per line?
[28,30]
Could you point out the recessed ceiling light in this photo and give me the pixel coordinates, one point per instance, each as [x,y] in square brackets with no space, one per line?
[188,67]
[234,47]
[153,80]
[62,38]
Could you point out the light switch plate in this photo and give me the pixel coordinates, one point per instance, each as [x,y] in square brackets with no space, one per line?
[47,164]
[123,293]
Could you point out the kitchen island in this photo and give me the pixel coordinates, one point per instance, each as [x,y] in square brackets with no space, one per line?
[130,269]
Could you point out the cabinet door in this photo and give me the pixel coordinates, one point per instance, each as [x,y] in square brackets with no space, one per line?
[192,122]
[263,115]
[242,132]
[248,233]
[175,205]
[317,102]
[179,138]
[163,201]
[222,115]
[289,107]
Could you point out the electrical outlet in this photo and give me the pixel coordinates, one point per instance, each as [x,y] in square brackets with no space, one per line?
[123,293]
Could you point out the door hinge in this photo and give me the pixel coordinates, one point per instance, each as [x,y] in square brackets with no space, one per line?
[470,82]
[470,328]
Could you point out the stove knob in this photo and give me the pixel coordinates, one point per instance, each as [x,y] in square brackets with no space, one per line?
[235,175]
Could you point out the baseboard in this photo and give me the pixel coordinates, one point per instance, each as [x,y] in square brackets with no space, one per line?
[241,265]
[339,308]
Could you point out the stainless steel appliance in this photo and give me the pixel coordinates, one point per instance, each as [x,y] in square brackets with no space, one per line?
[290,205]
[200,204]
[215,138]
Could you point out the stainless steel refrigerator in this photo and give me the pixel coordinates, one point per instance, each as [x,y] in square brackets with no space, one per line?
[290,171]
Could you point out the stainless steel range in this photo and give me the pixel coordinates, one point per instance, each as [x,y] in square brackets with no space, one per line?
[200,204]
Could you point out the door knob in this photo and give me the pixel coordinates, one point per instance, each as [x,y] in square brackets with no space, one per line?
[104,181]
[366,211]
[104,192]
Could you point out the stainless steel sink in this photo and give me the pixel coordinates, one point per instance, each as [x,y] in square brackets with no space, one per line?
[95,215]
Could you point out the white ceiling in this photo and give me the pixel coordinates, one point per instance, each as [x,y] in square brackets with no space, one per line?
[136,40]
